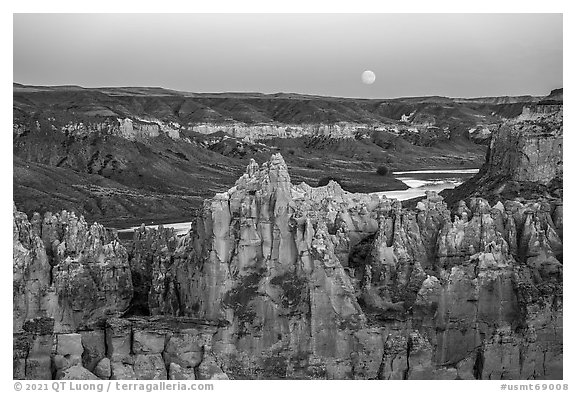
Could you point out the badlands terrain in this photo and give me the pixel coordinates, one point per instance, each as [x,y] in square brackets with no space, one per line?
[280,278]
[132,155]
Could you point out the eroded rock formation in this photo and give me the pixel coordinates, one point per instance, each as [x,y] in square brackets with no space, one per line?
[67,270]
[277,280]
[321,283]
[72,283]
[119,348]
[525,158]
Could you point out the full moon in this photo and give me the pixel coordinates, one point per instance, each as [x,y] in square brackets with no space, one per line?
[368,77]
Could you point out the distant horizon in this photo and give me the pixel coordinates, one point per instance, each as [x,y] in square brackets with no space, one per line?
[285,92]
[410,55]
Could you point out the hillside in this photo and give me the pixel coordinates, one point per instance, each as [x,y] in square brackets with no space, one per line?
[126,155]
[188,109]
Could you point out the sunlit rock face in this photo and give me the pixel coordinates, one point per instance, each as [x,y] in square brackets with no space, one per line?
[322,283]
[143,128]
[253,132]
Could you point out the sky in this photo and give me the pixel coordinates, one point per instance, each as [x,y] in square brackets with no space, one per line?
[456,55]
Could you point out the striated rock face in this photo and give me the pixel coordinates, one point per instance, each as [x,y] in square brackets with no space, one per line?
[537,138]
[142,129]
[321,283]
[277,280]
[67,270]
[132,348]
[136,129]
[525,158]
[264,257]
[71,283]
[252,132]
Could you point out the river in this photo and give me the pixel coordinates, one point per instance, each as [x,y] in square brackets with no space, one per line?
[418,181]
[428,180]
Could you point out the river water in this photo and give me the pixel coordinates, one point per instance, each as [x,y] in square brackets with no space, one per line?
[418,181]
[180,228]
[429,180]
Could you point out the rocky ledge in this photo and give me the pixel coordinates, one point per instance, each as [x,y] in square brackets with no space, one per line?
[290,281]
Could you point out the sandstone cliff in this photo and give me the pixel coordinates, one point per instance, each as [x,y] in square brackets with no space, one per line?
[143,129]
[321,283]
[122,156]
[71,283]
[277,280]
[67,270]
[525,158]
[147,112]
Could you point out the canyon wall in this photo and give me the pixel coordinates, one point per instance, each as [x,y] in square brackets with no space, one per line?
[67,270]
[277,280]
[144,112]
[537,138]
[141,129]
[524,160]
[320,283]
[71,284]
[285,281]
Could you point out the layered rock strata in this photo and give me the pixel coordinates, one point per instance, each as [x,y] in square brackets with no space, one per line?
[119,348]
[291,281]
[67,270]
[321,283]
[72,281]
[525,159]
